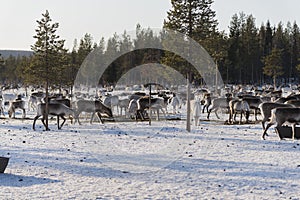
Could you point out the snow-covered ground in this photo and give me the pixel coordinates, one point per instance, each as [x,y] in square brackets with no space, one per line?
[132,160]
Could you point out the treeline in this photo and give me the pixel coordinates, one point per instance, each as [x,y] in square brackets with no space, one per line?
[246,54]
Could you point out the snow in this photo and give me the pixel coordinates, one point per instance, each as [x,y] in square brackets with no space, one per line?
[132,160]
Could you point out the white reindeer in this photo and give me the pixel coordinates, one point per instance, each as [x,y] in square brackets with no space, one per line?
[174,102]
[196,110]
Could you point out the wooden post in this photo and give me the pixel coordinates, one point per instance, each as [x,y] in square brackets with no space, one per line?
[188,106]
[149,104]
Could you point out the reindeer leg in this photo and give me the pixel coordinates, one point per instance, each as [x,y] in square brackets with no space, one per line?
[24,113]
[140,114]
[207,106]
[63,122]
[241,117]
[58,127]
[43,121]
[265,131]
[92,117]
[230,117]
[197,120]
[100,118]
[255,114]
[34,121]
[14,113]
[208,113]
[217,113]
[263,124]
[164,112]
[234,116]
[77,118]
[293,130]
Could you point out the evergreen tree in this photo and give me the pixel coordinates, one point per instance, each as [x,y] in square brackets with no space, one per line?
[234,49]
[49,53]
[273,65]
[281,41]
[268,39]
[249,50]
[85,47]
[196,19]
[294,48]
[2,69]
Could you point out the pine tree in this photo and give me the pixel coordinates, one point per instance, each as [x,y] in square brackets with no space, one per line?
[49,54]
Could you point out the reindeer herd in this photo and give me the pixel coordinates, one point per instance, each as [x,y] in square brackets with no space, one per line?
[273,106]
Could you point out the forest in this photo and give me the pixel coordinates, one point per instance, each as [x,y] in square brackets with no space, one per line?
[245,53]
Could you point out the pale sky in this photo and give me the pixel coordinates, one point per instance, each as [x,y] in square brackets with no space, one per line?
[102,18]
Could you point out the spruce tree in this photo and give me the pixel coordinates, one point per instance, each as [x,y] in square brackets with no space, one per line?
[196,19]
[273,64]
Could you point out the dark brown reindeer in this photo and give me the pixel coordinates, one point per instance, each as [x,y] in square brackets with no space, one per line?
[56,109]
[94,107]
[206,101]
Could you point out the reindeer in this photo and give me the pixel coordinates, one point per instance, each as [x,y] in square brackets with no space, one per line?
[112,101]
[217,104]
[265,110]
[295,103]
[132,108]
[155,103]
[174,102]
[64,101]
[281,115]
[253,102]
[196,110]
[238,106]
[8,97]
[56,109]
[123,104]
[1,108]
[206,102]
[34,99]
[95,107]
[13,105]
